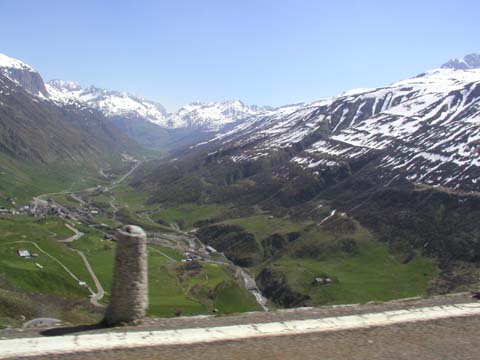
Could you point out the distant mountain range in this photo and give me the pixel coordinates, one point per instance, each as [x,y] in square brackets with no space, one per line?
[424,129]
[198,115]
[134,114]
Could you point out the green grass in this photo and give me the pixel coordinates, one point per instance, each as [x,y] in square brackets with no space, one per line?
[371,274]
[23,180]
[186,215]
[232,299]
[361,272]
[17,232]
[100,255]
[65,200]
[214,287]
[135,200]
[173,253]
[166,296]
[104,219]
[262,225]
[128,217]
[16,308]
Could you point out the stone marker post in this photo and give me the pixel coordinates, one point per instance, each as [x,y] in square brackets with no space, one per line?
[129,294]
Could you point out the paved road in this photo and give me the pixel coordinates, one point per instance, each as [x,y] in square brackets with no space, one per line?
[116,182]
[441,340]
[77,234]
[398,331]
[96,297]
[448,339]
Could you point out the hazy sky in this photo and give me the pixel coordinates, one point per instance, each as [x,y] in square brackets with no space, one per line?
[265,52]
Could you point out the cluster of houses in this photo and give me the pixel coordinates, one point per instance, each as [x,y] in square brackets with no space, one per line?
[128,158]
[43,208]
[5,211]
[190,256]
[88,211]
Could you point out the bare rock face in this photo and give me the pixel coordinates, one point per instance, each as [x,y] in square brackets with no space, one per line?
[29,80]
[471,61]
[129,297]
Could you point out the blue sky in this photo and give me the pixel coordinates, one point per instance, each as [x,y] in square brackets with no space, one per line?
[265,52]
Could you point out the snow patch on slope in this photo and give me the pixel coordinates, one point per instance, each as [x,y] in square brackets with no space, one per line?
[11,63]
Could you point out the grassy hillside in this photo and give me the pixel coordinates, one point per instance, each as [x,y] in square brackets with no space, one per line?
[25,180]
[297,251]
[268,206]
[174,288]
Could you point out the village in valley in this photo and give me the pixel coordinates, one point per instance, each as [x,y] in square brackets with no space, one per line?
[82,216]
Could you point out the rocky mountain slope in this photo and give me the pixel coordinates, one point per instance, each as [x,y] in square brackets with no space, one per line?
[397,164]
[425,129]
[213,116]
[23,75]
[38,129]
[36,135]
[110,103]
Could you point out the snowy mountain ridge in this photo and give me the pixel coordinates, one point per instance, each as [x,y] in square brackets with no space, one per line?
[7,62]
[470,61]
[210,116]
[23,75]
[424,129]
[110,103]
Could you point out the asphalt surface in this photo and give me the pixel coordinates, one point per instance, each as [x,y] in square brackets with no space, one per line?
[451,339]
[440,339]
[96,297]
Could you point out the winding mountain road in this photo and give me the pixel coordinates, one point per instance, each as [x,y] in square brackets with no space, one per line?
[100,292]
[96,297]
[118,181]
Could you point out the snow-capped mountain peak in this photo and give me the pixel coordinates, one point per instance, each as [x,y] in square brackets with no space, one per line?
[110,103]
[424,129]
[65,85]
[23,75]
[212,116]
[11,63]
[471,61]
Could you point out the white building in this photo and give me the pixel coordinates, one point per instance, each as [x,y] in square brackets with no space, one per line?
[23,253]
